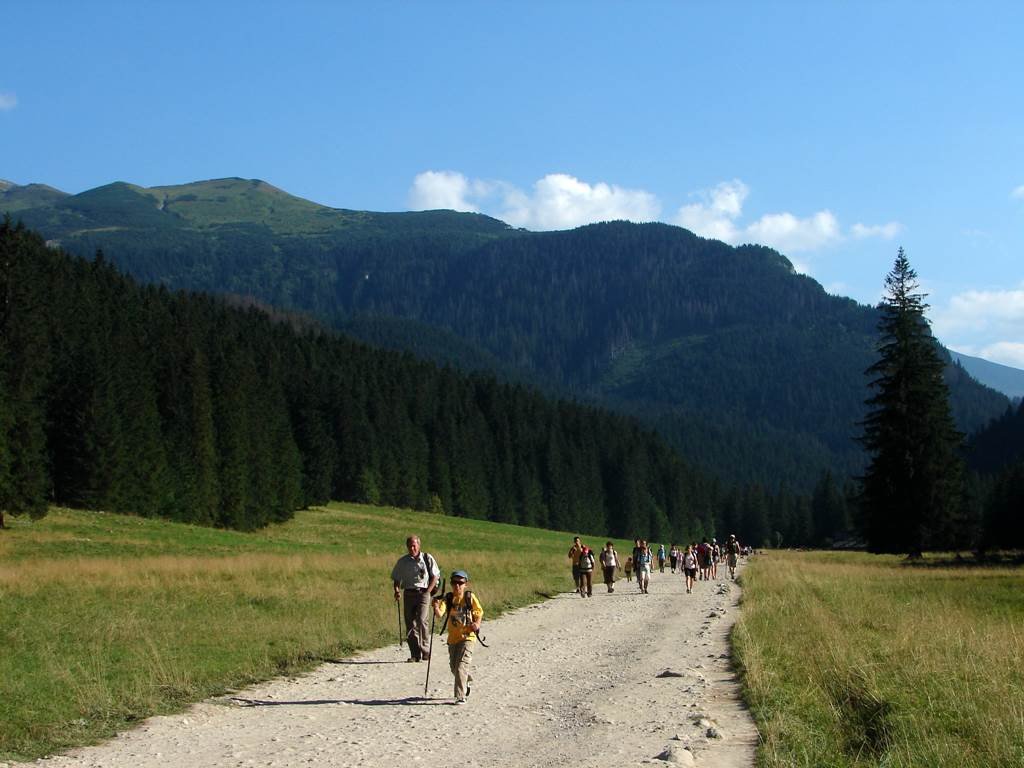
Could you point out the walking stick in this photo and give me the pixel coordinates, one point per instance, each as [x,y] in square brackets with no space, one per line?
[430,652]
[398,605]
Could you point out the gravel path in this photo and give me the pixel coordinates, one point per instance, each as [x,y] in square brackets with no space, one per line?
[563,681]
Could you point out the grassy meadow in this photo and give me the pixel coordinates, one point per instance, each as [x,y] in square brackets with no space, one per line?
[108,619]
[861,660]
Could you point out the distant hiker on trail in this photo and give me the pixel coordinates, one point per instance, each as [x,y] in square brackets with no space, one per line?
[673,557]
[732,553]
[609,562]
[464,616]
[704,560]
[642,563]
[629,568]
[689,561]
[574,557]
[661,558]
[415,578]
[716,555]
[587,563]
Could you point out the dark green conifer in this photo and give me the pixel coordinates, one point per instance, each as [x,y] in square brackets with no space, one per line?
[913,485]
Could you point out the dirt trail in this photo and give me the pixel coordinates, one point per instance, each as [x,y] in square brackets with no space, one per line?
[568,680]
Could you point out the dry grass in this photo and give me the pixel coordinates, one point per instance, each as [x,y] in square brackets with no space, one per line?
[853,660]
[110,619]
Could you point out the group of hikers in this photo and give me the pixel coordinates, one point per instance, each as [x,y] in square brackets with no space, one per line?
[416,577]
[697,562]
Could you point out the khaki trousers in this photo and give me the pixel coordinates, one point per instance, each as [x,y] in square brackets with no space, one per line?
[417,626]
[459,657]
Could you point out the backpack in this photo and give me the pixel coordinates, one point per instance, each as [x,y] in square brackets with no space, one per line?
[587,561]
[428,561]
[467,605]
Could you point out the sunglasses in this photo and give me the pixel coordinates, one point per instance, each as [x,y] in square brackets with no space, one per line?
[456,583]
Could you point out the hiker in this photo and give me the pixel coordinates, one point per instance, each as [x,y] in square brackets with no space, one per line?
[415,578]
[689,561]
[732,552]
[661,558]
[673,557]
[609,562]
[704,560]
[716,555]
[586,565]
[574,558]
[629,568]
[642,564]
[464,616]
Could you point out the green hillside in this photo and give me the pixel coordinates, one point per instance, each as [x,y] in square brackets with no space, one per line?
[753,371]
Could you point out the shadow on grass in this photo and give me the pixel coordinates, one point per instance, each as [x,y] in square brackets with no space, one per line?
[358,661]
[409,701]
[987,560]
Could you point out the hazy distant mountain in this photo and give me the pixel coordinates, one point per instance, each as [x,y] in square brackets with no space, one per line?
[1002,378]
[750,369]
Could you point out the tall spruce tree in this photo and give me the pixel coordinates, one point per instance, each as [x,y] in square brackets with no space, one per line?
[914,482]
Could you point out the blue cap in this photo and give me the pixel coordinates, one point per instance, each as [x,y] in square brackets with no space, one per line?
[460,575]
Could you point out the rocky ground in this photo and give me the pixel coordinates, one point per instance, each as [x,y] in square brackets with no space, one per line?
[620,679]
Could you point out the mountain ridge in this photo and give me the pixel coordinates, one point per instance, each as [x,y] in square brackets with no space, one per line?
[1003,378]
[650,318]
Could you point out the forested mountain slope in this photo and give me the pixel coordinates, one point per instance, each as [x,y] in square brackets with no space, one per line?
[753,371]
[131,398]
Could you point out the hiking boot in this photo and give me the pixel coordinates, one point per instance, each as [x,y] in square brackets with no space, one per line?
[425,657]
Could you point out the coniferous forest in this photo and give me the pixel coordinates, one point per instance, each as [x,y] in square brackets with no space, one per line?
[128,398]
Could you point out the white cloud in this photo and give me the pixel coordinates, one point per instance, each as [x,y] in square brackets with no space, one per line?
[557,201]
[717,217]
[1018,193]
[787,233]
[8,101]
[970,320]
[443,189]
[981,310]
[1005,352]
[884,231]
[561,201]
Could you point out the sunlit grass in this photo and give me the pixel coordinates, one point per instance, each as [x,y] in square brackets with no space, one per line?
[108,619]
[853,659]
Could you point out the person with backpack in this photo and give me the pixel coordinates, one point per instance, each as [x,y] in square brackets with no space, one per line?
[586,565]
[609,562]
[732,553]
[642,563]
[464,615]
[704,560]
[661,558]
[415,578]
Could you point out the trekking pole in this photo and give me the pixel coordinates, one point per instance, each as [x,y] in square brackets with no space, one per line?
[430,651]
[398,605]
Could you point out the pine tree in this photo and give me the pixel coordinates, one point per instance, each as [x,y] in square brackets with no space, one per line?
[912,487]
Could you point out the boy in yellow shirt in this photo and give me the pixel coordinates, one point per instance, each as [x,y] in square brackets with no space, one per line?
[464,616]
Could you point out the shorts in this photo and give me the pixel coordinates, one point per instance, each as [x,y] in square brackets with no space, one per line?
[691,572]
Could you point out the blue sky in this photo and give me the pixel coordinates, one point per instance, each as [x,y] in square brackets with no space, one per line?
[835,132]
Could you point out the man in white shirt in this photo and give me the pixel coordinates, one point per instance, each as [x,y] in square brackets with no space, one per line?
[415,577]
